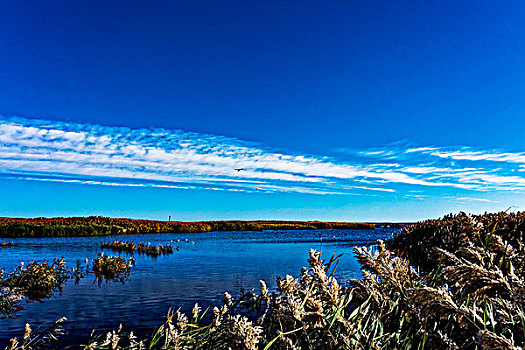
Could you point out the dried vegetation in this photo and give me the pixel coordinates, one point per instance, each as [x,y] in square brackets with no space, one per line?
[40,280]
[143,248]
[119,246]
[455,283]
[36,281]
[154,250]
[112,268]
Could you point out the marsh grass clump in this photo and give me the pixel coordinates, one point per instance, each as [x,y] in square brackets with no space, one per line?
[120,246]
[36,281]
[112,268]
[9,302]
[6,244]
[155,250]
[469,292]
[418,242]
[143,248]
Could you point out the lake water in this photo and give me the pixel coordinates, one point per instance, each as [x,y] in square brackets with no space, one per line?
[199,272]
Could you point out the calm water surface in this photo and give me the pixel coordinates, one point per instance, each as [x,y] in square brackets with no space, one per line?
[199,272]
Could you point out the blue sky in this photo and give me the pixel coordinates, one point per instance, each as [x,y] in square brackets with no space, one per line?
[375,110]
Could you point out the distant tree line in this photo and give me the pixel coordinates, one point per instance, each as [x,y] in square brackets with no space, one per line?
[104,226]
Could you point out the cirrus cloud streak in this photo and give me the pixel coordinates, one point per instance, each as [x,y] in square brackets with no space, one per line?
[45,150]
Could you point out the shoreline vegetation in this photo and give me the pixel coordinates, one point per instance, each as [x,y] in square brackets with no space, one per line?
[452,283]
[105,226]
[38,281]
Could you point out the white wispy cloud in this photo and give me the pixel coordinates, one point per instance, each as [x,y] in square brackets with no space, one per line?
[416,196]
[473,155]
[475,199]
[420,149]
[46,150]
[375,189]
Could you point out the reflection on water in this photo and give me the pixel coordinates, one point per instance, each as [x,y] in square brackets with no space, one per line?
[199,272]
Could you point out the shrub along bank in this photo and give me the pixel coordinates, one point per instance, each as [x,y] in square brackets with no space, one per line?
[103,226]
